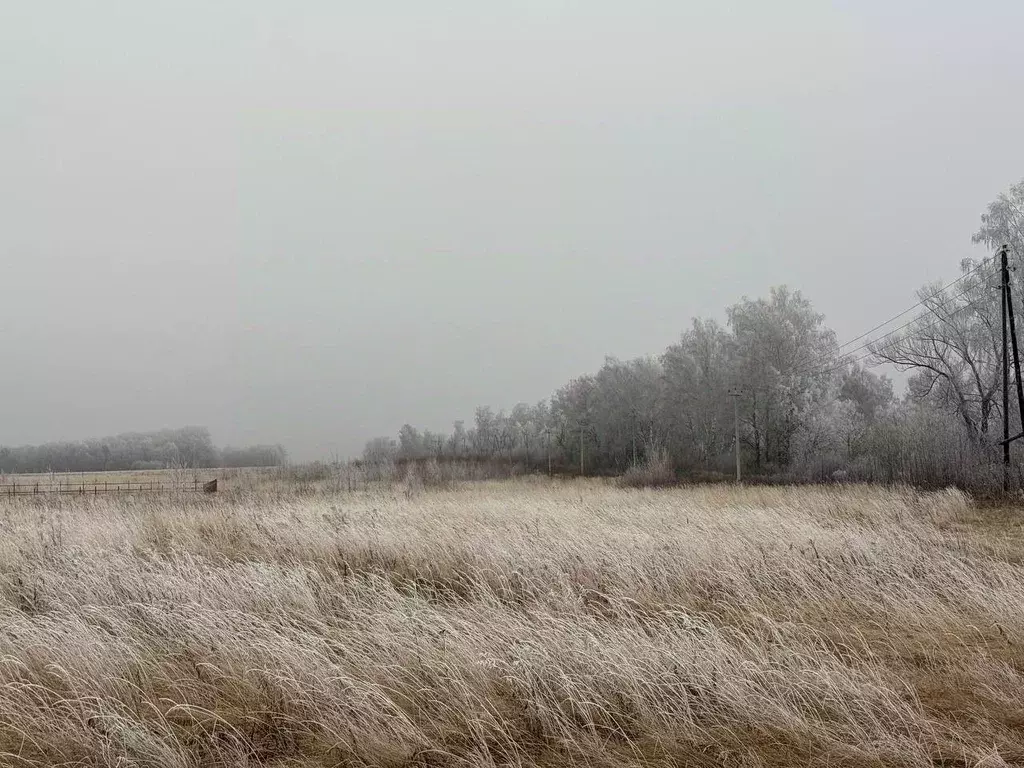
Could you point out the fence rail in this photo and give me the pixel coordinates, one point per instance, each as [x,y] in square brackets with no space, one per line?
[95,488]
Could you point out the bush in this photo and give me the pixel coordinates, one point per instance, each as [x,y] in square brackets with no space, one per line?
[655,471]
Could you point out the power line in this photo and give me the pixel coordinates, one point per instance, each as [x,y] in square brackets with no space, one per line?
[911,309]
[922,302]
[842,363]
[912,321]
[871,353]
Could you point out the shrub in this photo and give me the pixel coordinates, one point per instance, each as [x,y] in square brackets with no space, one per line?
[655,471]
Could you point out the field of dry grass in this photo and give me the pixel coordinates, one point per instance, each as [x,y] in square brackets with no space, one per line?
[524,623]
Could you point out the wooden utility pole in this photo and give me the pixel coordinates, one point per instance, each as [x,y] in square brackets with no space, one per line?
[1009,328]
[581,449]
[547,432]
[1013,334]
[1003,286]
[735,395]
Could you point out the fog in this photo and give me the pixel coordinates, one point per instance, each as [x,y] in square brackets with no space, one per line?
[309,223]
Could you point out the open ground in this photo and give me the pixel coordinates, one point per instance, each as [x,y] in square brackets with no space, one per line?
[517,623]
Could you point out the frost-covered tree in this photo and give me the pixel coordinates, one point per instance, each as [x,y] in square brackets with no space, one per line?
[696,413]
[783,348]
[953,348]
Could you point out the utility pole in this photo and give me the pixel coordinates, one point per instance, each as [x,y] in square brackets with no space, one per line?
[1009,327]
[547,433]
[1004,284]
[735,395]
[1013,334]
[581,449]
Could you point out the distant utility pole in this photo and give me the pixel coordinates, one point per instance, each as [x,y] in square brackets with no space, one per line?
[547,433]
[735,395]
[581,449]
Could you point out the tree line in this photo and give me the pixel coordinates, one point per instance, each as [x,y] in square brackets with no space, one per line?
[808,407]
[168,448]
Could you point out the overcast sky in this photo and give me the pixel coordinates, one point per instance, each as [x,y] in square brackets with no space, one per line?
[311,222]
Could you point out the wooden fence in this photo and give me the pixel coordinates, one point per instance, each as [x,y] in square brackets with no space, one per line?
[95,488]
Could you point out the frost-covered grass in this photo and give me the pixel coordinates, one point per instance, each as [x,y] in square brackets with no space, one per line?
[520,623]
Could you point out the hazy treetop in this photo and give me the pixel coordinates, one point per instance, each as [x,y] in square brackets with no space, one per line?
[310,222]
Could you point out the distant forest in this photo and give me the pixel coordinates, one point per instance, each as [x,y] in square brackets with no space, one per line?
[168,448]
[809,407]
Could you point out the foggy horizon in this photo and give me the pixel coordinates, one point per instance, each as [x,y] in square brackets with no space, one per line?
[308,226]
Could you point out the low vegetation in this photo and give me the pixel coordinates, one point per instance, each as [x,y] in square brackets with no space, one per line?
[516,623]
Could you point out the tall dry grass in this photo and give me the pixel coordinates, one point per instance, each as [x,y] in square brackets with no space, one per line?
[524,623]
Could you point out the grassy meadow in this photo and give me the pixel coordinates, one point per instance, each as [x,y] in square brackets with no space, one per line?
[515,623]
